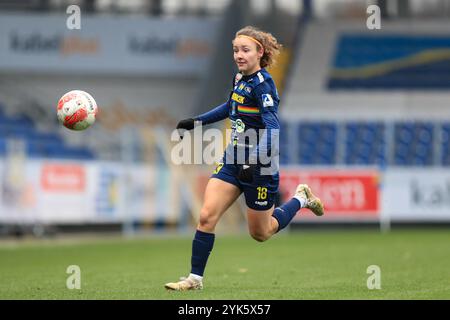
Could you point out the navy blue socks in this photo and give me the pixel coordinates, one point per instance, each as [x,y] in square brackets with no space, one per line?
[203,241]
[286,212]
[201,248]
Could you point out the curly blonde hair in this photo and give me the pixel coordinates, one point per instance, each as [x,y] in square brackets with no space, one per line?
[270,44]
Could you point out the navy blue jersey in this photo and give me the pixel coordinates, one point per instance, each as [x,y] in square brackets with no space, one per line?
[253,104]
[254,98]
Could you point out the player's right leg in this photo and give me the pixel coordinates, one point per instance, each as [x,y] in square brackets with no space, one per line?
[219,195]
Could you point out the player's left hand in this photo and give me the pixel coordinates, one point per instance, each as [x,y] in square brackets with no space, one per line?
[246,172]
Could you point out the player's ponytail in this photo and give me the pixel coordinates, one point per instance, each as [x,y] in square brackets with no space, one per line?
[269,44]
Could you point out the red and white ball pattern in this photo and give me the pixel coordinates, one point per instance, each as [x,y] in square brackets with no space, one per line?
[77,110]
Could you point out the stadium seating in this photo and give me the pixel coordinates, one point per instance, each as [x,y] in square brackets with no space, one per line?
[38,144]
[365,143]
[284,143]
[413,143]
[445,144]
[317,143]
[362,143]
[369,143]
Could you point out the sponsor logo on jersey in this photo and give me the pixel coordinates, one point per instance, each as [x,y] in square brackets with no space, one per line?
[241,86]
[261,203]
[237,97]
[260,77]
[267,100]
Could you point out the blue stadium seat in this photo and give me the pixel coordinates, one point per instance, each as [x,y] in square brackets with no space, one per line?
[38,144]
[317,143]
[70,153]
[21,121]
[445,147]
[364,143]
[413,143]
[284,143]
[2,146]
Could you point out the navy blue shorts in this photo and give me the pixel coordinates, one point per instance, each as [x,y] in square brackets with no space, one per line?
[260,194]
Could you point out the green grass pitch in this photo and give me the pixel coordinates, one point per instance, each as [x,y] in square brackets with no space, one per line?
[415,264]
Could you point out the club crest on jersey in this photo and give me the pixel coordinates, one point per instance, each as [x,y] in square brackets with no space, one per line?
[267,100]
[237,78]
[240,126]
[248,89]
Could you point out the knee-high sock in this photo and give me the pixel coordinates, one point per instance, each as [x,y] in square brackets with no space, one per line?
[286,212]
[201,248]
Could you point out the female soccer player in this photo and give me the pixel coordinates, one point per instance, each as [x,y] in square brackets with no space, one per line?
[253,105]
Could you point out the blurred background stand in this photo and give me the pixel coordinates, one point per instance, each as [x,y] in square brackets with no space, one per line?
[364,113]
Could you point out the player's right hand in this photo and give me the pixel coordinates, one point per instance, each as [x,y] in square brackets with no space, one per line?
[187,124]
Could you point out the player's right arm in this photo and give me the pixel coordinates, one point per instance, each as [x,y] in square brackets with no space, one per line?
[218,113]
[214,115]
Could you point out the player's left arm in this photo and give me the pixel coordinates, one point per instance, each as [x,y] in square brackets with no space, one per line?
[267,100]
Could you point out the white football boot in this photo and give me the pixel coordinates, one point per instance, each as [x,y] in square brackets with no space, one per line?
[185,284]
[313,203]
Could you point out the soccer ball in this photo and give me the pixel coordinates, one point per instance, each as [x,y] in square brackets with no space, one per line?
[77,110]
